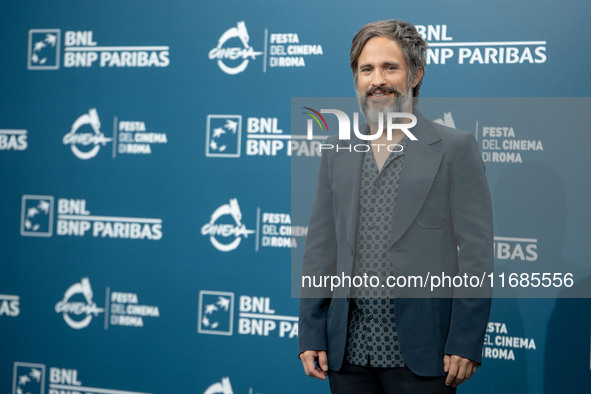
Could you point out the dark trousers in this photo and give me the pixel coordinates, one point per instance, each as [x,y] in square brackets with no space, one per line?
[355,379]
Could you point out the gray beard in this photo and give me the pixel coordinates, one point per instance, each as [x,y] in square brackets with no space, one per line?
[374,113]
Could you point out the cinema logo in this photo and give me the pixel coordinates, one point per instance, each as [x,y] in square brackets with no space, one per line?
[130,137]
[264,138]
[446,120]
[29,378]
[77,306]
[233,52]
[75,220]
[122,308]
[85,137]
[273,229]
[516,249]
[234,59]
[255,316]
[224,386]
[443,49]
[82,51]
[225,228]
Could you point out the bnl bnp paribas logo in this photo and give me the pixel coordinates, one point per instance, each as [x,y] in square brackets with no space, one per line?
[263,137]
[443,49]
[255,316]
[29,378]
[37,216]
[223,137]
[75,220]
[80,50]
[13,139]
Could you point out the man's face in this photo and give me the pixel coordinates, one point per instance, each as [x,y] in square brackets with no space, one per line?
[382,77]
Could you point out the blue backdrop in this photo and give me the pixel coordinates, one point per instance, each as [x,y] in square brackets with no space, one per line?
[145,152]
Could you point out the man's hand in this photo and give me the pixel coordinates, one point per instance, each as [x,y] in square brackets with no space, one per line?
[458,369]
[309,357]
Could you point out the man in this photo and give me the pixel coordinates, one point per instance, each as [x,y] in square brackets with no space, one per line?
[423,208]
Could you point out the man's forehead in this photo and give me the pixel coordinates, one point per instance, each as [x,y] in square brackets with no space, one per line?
[380,42]
[380,49]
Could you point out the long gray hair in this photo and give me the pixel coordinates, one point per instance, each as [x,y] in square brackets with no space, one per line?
[405,34]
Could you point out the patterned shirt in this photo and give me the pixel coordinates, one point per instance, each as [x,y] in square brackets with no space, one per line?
[372,339]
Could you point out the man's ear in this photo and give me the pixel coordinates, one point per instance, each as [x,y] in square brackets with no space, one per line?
[418,77]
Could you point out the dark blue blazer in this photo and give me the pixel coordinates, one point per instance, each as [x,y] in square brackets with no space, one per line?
[442,223]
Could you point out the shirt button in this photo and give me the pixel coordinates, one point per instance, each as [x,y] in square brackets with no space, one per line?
[378,183]
[372,225]
[369,317]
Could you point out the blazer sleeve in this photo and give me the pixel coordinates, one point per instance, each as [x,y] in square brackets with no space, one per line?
[471,210]
[319,259]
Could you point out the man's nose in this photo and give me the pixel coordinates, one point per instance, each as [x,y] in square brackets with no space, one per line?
[378,79]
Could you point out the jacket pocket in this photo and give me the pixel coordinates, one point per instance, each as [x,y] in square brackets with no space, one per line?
[435,211]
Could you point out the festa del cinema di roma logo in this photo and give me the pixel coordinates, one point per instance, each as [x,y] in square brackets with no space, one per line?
[220,231]
[71,309]
[85,132]
[227,56]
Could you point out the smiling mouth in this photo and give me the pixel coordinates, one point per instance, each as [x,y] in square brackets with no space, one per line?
[378,94]
[381,98]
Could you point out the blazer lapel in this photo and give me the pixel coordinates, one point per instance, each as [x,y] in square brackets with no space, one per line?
[347,181]
[421,163]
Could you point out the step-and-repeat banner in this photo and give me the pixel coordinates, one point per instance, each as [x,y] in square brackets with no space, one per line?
[146,216]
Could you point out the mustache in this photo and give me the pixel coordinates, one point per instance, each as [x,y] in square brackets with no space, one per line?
[384,89]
